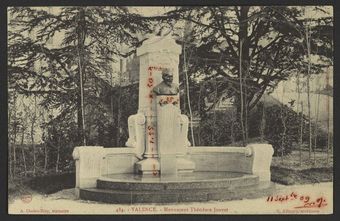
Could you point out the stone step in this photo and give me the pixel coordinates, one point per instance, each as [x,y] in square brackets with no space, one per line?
[176,196]
[177,184]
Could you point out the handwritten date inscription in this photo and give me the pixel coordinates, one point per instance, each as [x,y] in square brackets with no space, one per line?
[306,201]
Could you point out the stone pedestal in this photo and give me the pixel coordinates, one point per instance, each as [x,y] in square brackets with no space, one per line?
[262,157]
[155,54]
[168,132]
[172,129]
[148,166]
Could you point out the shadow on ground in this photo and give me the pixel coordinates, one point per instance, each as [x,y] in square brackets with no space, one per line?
[48,184]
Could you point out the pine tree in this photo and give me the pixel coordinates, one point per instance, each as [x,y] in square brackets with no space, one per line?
[89,38]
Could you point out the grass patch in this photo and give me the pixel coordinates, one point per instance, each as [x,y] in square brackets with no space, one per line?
[293,177]
[290,170]
[46,184]
[17,188]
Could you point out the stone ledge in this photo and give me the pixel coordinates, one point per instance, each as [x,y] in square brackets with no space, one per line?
[118,150]
[177,185]
[171,196]
[88,166]
[252,159]
[217,149]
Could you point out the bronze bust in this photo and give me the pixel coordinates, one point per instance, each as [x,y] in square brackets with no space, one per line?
[166,87]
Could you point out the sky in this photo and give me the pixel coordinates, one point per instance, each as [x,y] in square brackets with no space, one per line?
[150,11]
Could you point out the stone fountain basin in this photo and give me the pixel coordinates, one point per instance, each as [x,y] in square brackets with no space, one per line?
[185,187]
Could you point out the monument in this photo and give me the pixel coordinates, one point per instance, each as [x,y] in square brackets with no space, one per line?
[158,165]
[166,87]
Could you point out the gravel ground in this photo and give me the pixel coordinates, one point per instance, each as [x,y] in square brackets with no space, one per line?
[284,201]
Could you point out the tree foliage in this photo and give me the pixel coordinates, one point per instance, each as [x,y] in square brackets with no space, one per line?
[88,39]
[283,141]
[272,40]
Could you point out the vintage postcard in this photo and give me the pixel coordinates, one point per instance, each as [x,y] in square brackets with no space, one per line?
[170,110]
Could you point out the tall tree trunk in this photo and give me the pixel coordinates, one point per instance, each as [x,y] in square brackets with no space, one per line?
[14,149]
[244,65]
[328,123]
[245,62]
[111,95]
[316,124]
[263,122]
[329,117]
[246,126]
[232,132]
[199,109]
[10,172]
[58,157]
[301,135]
[119,107]
[33,147]
[308,88]
[12,137]
[23,151]
[283,119]
[188,95]
[214,120]
[329,146]
[81,31]
[297,111]
[12,158]
[46,158]
[241,97]
[33,121]
[44,132]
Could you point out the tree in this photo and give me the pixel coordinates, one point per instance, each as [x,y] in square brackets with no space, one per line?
[60,138]
[13,125]
[90,38]
[269,40]
[33,120]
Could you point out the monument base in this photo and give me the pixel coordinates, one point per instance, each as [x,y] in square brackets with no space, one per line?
[193,187]
[219,173]
[185,165]
[147,166]
[168,164]
[152,166]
